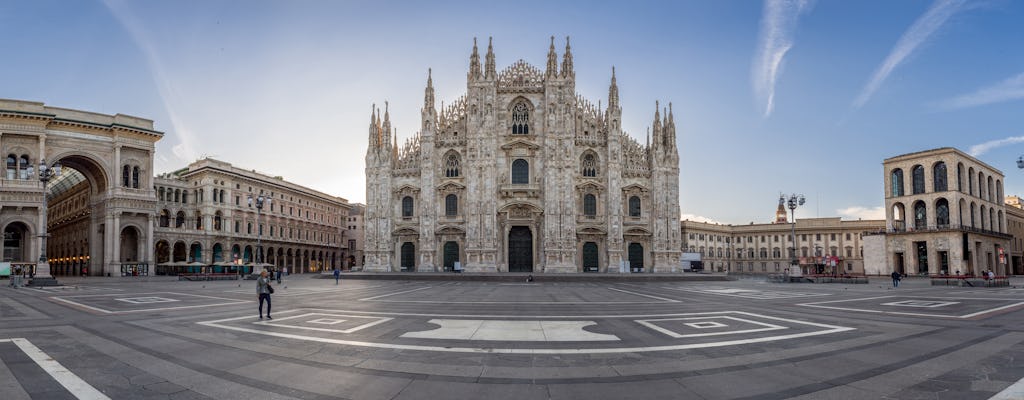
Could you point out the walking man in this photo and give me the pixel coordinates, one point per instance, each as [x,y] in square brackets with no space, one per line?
[337,275]
[263,289]
[895,279]
[278,276]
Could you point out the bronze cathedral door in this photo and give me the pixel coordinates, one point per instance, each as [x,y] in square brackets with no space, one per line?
[520,249]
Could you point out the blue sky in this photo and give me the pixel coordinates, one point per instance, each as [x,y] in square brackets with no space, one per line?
[791,96]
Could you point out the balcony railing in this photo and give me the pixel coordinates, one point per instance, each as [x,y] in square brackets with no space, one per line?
[902,228]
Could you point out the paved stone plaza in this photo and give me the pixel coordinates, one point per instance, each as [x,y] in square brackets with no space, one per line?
[129,338]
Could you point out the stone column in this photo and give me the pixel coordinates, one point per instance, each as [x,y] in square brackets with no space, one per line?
[148,254]
[117,168]
[109,230]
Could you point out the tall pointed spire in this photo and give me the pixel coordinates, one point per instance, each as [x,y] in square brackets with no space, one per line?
[428,93]
[670,128]
[567,70]
[374,133]
[474,63]
[386,127]
[613,93]
[657,124]
[489,71]
[552,69]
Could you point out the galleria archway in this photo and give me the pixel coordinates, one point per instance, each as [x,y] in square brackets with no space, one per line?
[100,210]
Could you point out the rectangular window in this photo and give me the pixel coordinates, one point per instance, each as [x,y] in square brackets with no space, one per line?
[817,236]
[803,237]
[832,237]
[847,235]
[764,267]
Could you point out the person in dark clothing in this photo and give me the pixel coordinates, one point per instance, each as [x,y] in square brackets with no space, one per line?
[896,279]
[263,289]
[337,275]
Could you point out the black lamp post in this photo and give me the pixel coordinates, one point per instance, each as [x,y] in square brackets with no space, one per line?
[259,201]
[42,275]
[794,201]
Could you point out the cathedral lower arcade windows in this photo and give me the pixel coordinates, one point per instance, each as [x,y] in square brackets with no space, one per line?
[520,172]
[407,207]
[634,206]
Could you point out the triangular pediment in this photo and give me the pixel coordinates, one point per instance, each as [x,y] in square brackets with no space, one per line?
[590,185]
[450,230]
[407,189]
[635,187]
[450,185]
[404,232]
[636,230]
[520,144]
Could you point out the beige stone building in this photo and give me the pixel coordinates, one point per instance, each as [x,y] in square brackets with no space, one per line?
[823,245]
[353,237]
[104,210]
[522,174]
[1015,227]
[206,222]
[944,213]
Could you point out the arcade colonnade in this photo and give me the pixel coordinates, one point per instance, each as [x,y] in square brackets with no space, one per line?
[102,205]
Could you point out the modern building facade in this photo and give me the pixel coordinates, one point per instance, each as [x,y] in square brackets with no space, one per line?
[522,174]
[945,213]
[823,245]
[207,223]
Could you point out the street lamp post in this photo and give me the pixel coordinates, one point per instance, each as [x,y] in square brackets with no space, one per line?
[42,275]
[794,201]
[260,200]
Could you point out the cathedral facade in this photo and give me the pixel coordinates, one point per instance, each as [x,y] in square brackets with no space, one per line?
[522,174]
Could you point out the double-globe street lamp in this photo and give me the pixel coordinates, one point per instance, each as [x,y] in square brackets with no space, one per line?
[259,201]
[794,201]
[42,275]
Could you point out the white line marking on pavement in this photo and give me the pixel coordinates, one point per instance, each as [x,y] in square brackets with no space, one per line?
[828,329]
[648,323]
[395,293]
[512,331]
[1012,392]
[644,295]
[105,311]
[966,316]
[69,380]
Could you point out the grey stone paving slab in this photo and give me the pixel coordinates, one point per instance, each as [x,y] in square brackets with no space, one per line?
[166,354]
[326,382]
[433,390]
[667,389]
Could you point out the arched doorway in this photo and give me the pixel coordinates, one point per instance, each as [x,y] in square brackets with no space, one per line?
[130,244]
[16,243]
[590,257]
[180,254]
[520,249]
[451,255]
[636,257]
[408,257]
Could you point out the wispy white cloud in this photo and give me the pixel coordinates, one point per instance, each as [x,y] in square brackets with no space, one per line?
[1007,90]
[697,218]
[918,33]
[860,212]
[983,148]
[778,23]
[185,150]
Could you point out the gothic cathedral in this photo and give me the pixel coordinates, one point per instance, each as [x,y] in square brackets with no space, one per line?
[521,174]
